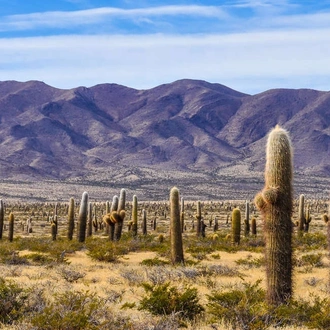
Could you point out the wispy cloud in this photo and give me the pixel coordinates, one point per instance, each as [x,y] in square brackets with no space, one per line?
[257,60]
[82,17]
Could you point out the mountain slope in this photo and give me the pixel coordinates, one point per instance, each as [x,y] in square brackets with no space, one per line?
[191,125]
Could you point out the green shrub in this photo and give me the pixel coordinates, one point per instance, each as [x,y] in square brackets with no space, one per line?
[12,301]
[163,299]
[76,311]
[154,262]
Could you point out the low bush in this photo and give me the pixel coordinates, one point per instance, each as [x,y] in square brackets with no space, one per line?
[164,299]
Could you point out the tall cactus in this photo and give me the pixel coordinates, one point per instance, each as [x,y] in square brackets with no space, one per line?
[71,219]
[11,227]
[121,213]
[308,220]
[182,215]
[254,226]
[199,219]
[2,217]
[90,220]
[82,217]
[247,219]
[301,215]
[275,204]
[175,228]
[144,222]
[134,216]
[236,226]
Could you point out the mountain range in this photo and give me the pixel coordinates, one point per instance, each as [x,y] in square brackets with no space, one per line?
[189,126]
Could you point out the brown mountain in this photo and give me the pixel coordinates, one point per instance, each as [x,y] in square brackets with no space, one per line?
[187,125]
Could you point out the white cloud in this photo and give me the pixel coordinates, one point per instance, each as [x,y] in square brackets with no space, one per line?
[59,19]
[249,61]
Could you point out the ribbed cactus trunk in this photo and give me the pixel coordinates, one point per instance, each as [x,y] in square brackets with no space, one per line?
[135,216]
[144,222]
[11,227]
[308,219]
[121,212]
[301,215]
[2,217]
[247,219]
[275,204]
[71,219]
[236,226]
[175,228]
[82,217]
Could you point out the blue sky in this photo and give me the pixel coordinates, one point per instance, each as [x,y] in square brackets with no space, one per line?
[248,45]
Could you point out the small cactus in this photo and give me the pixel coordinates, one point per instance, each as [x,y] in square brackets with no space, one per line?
[53,231]
[120,221]
[175,228]
[236,226]
[254,226]
[82,217]
[308,220]
[2,217]
[144,222]
[90,220]
[134,216]
[247,219]
[199,219]
[301,215]
[11,227]
[71,219]
[182,215]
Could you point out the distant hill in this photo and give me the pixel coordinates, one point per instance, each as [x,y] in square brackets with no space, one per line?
[187,125]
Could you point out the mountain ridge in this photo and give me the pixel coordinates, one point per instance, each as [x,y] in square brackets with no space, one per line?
[51,133]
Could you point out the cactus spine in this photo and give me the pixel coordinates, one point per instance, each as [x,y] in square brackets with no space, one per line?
[11,227]
[175,228]
[134,216]
[236,226]
[71,219]
[275,204]
[2,217]
[82,217]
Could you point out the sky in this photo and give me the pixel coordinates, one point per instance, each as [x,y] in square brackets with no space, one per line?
[248,45]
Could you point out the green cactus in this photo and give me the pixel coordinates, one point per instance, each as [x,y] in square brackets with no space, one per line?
[11,227]
[301,215]
[199,219]
[53,231]
[182,215]
[121,207]
[175,228]
[254,226]
[2,217]
[71,219]
[134,216]
[90,220]
[247,219]
[236,226]
[275,204]
[82,217]
[325,218]
[308,220]
[144,222]
[114,208]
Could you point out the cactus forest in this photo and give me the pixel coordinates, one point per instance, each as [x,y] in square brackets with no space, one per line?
[130,263]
